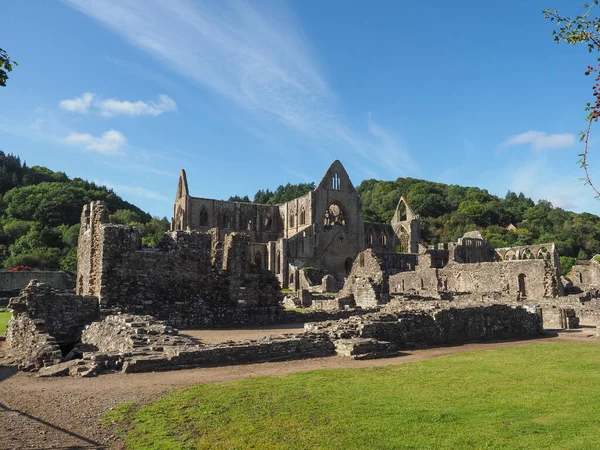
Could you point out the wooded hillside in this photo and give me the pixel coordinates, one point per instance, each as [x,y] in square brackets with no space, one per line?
[40,212]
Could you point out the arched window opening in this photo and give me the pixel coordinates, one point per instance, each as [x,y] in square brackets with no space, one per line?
[203,220]
[370,238]
[291,220]
[401,213]
[383,240]
[267,222]
[404,244]
[302,216]
[226,220]
[258,260]
[278,262]
[403,285]
[522,291]
[335,182]
[348,266]
[361,260]
[250,225]
[334,216]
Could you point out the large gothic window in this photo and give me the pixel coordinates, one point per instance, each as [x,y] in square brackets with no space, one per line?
[334,216]
[302,216]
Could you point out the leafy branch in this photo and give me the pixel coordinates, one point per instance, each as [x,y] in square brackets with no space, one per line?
[6,65]
[583,29]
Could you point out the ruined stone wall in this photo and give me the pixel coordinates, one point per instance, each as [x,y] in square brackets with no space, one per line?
[452,325]
[367,285]
[473,248]
[186,280]
[43,319]
[538,279]
[586,276]
[261,222]
[381,237]
[296,215]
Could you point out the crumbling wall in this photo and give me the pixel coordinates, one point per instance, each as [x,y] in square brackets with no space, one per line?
[586,276]
[43,320]
[519,280]
[452,325]
[187,280]
[367,285]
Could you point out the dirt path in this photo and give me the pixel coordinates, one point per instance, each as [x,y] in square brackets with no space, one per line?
[42,413]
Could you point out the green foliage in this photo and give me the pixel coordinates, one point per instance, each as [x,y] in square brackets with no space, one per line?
[40,212]
[505,398]
[448,211]
[566,264]
[6,65]
[237,198]
[283,193]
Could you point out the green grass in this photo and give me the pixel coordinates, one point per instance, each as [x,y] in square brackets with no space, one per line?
[4,318]
[539,396]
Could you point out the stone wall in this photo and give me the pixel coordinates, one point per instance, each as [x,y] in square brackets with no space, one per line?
[18,280]
[586,275]
[187,280]
[518,279]
[367,285]
[452,325]
[43,320]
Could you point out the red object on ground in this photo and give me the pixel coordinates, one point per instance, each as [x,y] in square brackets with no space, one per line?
[20,269]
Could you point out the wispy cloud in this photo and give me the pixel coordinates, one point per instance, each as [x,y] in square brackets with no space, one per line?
[110,143]
[137,191]
[539,140]
[113,107]
[254,55]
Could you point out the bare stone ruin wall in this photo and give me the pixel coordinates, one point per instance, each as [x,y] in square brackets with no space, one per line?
[539,277]
[586,276]
[181,281]
[452,325]
[43,320]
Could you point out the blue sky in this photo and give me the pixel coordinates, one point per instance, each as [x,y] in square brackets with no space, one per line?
[250,95]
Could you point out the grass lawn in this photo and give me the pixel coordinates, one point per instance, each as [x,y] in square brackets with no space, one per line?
[4,318]
[543,396]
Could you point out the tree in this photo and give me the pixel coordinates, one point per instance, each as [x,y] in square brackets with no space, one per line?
[582,29]
[6,65]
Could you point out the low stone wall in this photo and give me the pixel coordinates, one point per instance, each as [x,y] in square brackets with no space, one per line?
[268,349]
[447,326]
[10,281]
[42,320]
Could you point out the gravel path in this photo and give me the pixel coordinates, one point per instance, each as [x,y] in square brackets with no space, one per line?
[43,413]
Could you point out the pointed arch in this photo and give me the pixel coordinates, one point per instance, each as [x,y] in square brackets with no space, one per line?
[203,217]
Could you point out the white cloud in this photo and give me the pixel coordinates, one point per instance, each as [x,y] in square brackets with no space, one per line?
[138,191]
[540,140]
[78,104]
[114,107]
[252,54]
[110,143]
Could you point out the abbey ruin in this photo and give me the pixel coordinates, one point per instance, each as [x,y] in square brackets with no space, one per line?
[367,289]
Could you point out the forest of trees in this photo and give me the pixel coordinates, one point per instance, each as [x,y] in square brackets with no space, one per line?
[40,212]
